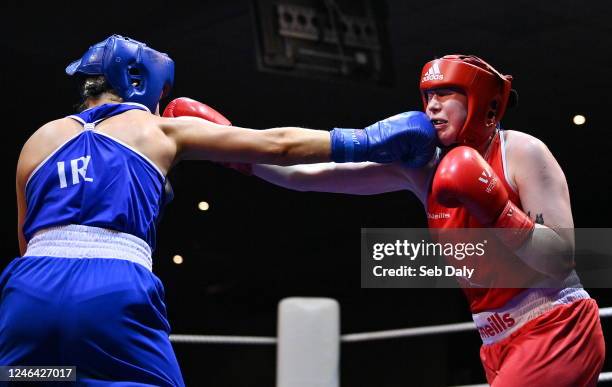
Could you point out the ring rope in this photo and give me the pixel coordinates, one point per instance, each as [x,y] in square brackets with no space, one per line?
[347,338]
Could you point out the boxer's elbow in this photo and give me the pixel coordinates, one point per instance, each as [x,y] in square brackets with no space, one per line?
[561,263]
[567,262]
[548,252]
[562,267]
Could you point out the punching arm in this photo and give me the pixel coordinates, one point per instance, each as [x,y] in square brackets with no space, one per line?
[352,178]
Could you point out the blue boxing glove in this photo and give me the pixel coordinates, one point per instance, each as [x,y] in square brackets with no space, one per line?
[409,137]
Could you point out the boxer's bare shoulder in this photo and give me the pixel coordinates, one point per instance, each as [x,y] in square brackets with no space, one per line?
[525,153]
[45,140]
[143,132]
[540,180]
[524,142]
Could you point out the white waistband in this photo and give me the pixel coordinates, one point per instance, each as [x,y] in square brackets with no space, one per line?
[497,324]
[78,241]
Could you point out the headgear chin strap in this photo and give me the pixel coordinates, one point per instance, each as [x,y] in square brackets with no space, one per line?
[136,72]
[487,93]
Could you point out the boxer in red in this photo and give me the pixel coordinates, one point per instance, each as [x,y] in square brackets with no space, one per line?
[531,336]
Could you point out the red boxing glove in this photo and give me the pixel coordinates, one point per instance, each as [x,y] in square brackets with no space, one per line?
[464,178]
[190,107]
[184,106]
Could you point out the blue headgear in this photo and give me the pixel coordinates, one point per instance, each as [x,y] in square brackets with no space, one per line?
[136,72]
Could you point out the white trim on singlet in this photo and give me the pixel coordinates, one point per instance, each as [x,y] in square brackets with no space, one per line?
[133,150]
[82,121]
[137,104]
[79,119]
[42,163]
[123,103]
[502,145]
[435,160]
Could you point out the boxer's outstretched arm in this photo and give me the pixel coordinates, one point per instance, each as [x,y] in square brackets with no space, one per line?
[198,139]
[545,197]
[408,136]
[354,178]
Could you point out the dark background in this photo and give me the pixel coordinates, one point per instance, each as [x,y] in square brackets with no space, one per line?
[259,243]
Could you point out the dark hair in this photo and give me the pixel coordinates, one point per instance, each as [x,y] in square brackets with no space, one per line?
[93,87]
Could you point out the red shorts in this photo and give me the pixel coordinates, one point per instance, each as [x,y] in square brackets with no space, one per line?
[563,347]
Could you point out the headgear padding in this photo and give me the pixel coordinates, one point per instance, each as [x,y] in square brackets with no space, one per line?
[487,93]
[136,72]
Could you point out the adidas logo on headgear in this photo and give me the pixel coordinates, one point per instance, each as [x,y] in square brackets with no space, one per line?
[433,74]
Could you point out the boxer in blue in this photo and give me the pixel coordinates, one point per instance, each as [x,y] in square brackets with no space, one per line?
[90,188]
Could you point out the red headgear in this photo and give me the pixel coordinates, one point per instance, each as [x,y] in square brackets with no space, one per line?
[487,92]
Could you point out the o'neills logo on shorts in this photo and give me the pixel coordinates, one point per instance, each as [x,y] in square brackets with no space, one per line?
[497,324]
[439,215]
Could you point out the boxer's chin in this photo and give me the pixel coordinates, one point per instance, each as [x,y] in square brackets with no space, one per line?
[447,137]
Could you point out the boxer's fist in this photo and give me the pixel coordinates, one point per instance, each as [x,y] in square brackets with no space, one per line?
[183,106]
[409,137]
[464,178]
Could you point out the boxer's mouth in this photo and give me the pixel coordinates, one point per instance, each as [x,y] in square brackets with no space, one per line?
[438,123]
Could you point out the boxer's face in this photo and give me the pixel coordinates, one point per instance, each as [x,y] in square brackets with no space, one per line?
[447,109]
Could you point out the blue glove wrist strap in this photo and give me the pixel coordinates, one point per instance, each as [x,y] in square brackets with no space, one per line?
[348,145]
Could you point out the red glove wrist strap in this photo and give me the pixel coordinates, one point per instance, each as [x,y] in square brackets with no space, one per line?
[516,224]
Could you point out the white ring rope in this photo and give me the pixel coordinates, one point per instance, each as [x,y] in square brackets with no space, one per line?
[408,332]
[347,338]
[202,339]
[365,336]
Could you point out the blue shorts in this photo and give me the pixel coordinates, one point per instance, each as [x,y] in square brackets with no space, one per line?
[107,317]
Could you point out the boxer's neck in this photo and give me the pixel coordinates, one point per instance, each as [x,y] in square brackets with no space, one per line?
[102,99]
